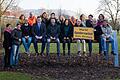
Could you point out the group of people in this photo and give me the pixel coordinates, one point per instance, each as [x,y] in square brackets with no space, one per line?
[44,29]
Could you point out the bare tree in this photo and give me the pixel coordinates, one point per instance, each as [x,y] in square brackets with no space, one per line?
[111,8]
[4,6]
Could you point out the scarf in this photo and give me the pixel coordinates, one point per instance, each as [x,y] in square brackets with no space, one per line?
[8,30]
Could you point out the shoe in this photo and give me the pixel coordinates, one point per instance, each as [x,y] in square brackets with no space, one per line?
[42,54]
[90,53]
[79,53]
[63,52]
[113,53]
[105,53]
[68,52]
[37,54]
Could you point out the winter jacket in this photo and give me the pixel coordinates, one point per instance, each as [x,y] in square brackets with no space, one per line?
[53,31]
[16,36]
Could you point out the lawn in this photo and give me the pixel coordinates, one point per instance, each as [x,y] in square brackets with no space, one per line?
[20,76]
[14,76]
[73,47]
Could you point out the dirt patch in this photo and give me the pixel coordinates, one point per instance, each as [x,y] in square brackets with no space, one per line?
[68,68]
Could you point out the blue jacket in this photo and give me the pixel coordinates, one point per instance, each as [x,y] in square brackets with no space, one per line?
[39,31]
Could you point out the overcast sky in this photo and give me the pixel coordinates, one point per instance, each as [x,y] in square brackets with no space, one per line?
[86,6]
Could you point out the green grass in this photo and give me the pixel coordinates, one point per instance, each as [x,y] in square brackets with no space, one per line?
[14,76]
[73,47]
[21,76]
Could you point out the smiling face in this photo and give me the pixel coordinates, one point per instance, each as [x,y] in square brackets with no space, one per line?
[101,17]
[44,15]
[39,20]
[78,22]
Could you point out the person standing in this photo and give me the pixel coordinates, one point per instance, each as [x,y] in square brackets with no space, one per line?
[32,19]
[7,44]
[21,20]
[16,41]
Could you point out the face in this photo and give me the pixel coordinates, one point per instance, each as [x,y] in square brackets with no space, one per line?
[72,18]
[105,23]
[53,16]
[90,17]
[100,17]
[53,21]
[26,21]
[83,17]
[22,17]
[78,22]
[44,15]
[31,14]
[66,22]
[9,27]
[39,20]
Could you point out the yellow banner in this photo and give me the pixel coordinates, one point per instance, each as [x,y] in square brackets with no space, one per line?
[83,33]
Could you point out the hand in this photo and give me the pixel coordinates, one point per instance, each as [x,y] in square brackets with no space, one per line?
[26,37]
[40,37]
[37,37]
[52,37]
[9,48]
[108,36]
[20,40]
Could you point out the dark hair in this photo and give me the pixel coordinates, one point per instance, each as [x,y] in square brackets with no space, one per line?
[102,16]
[66,20]
[21,16]
[39,17]
[7,25]
[81,16]
[52,14]
[91,15]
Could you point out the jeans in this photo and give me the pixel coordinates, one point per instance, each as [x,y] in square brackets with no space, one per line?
[14,58]
[26,43]
[104,43]
[35,41]
[48,46]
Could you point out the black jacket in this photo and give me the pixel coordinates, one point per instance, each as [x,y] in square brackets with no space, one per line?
[26,30]
[98,32]
[37,31]
[16,35]
[7,40]
[89,24]
[53,31]
[70,31]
